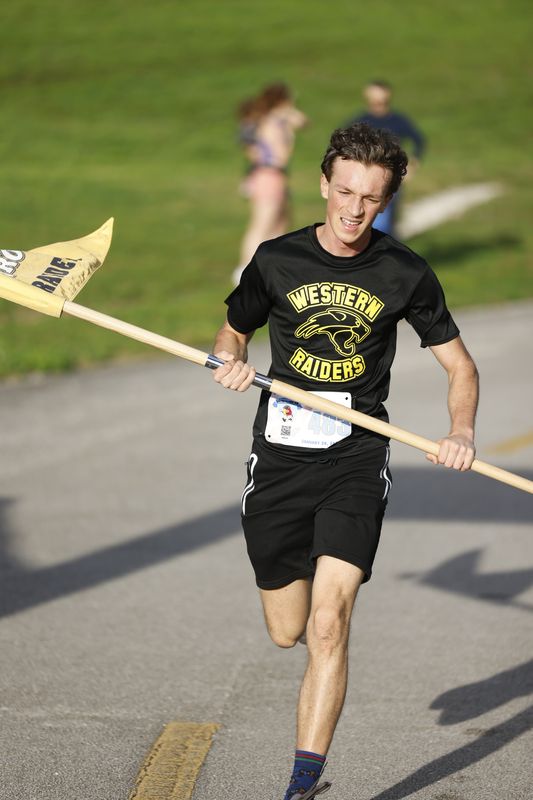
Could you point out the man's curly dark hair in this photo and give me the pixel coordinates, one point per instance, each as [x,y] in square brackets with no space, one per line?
[369,146]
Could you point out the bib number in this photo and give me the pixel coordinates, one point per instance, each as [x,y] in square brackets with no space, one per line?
[292,423]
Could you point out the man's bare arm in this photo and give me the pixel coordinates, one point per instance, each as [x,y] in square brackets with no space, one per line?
[232,347]
[457,449]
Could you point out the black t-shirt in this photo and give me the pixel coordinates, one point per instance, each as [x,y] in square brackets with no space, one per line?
[332,320]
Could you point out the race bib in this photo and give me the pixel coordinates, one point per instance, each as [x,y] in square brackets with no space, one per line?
[292,423]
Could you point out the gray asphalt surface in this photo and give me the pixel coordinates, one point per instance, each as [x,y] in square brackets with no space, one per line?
[127,600]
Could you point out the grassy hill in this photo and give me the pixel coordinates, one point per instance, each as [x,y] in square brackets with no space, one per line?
[127,109]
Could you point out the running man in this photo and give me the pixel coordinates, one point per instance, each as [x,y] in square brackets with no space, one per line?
[317,488]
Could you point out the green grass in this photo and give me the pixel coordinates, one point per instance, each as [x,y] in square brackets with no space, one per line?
[127,109]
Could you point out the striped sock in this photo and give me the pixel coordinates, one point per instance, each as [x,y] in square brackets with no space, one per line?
[306,772]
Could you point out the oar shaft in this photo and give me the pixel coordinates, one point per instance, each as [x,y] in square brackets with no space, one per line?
[290,392]
[392,432]
[134,332]
[353,416]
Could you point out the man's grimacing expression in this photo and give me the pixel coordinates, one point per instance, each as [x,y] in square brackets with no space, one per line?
[355,195]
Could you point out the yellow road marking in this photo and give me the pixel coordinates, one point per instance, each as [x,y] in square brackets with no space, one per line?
[514,444]
[171,768]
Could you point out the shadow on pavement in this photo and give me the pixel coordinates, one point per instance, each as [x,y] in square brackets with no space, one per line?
[475,699]
[430,492]
[488,742]
[459,575]
[23,587]
[419,493]
[464,703]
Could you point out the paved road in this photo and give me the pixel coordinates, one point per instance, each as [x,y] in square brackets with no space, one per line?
[127,600]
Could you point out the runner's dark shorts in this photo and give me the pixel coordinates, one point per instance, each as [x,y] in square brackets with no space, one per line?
[295,510]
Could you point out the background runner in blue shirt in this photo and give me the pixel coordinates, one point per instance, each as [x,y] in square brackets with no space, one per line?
[379,114]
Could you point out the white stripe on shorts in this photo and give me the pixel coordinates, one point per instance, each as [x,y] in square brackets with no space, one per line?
[250,486]
[385,474]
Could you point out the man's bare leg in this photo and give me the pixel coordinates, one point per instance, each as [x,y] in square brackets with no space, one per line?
[324,685]
[287,611]
[322,609]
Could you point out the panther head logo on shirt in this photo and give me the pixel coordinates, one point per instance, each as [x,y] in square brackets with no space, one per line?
[343,328]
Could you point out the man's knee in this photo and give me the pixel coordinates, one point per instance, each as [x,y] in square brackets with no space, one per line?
[282,638]
[329,627]
[284,633]
[286,611]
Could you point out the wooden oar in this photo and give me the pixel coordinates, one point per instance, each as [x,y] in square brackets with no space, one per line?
[51,304]
[291,393]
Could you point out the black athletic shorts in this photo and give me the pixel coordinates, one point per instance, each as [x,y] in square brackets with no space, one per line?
[296,509]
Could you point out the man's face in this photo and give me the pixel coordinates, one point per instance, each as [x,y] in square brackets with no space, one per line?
[355,194]
[377,99]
